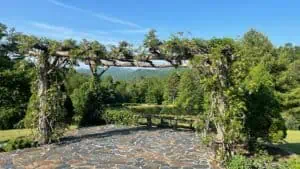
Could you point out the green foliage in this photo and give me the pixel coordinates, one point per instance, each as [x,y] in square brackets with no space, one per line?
[262,106]
[177,48]
[152,43]
[224,105]
[88,104]
[190,94]
[31,118]
[60,107]
[9,117]
[293,163]
[291,122]
[171,88]
[291,107]
[74,80]
[154,93]
[5,63]
[122,51]
[260,161]
[109,90]
[14,93]
[145,90]
[120,116]
[239,162]
[256,48]
[287,84]
[19,143]
[146,109]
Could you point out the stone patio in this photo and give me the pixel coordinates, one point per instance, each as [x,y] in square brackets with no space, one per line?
[113,146]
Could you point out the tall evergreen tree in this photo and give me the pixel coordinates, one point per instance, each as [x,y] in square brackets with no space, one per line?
[190,94]
[171,88]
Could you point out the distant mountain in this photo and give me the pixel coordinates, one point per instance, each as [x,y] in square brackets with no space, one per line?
[123,73]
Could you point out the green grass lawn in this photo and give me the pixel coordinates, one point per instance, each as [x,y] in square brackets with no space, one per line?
[292,141]
[6,135]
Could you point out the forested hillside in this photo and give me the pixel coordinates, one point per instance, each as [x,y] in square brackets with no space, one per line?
[131,73]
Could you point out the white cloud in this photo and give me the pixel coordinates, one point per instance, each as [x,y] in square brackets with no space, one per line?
[97,15]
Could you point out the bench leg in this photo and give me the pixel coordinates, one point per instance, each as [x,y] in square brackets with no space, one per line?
[149,122]
[175,124]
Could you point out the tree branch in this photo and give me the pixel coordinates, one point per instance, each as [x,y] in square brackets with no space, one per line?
[57,65]
[135,63]
[104,70]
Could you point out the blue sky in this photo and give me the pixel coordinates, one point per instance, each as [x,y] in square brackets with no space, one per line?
[110,21]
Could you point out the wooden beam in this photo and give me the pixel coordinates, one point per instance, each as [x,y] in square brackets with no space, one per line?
[120,63]
[135,63]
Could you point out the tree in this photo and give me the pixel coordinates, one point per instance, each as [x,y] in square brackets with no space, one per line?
[261,70]
[263,106]
[51,58]
[109,90]
[171,88]
[225,108]
[256,47]
[190,95]
[176,49]
[15,81]
[154,94]
[14,94]
[122,95]
[88,104]
[74,80]
[152,43]
[287,84]
[91,53]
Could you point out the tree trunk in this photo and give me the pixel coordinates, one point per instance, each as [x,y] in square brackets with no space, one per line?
[43,86]
[220,103]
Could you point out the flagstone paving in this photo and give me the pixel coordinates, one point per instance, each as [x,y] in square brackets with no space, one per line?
[113,146]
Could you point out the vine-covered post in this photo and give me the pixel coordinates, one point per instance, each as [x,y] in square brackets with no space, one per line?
[43,87]
[51,57]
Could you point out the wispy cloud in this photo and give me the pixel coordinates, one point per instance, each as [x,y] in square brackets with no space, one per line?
[132,31]
[116,20]
[60,32]
[51,27]
[97,15]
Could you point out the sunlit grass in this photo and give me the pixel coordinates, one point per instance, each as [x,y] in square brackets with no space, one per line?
[292,142]
[293,136]
[6,135]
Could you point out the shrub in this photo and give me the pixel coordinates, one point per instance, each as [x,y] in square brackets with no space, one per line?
[262,106]
[292,123]
[146,109]
[19,143]
[239,162]
[260,160]
[120,116]
[14,96]
[154,109]
[9,117]
[88,105]
[31,118]
[294,163]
